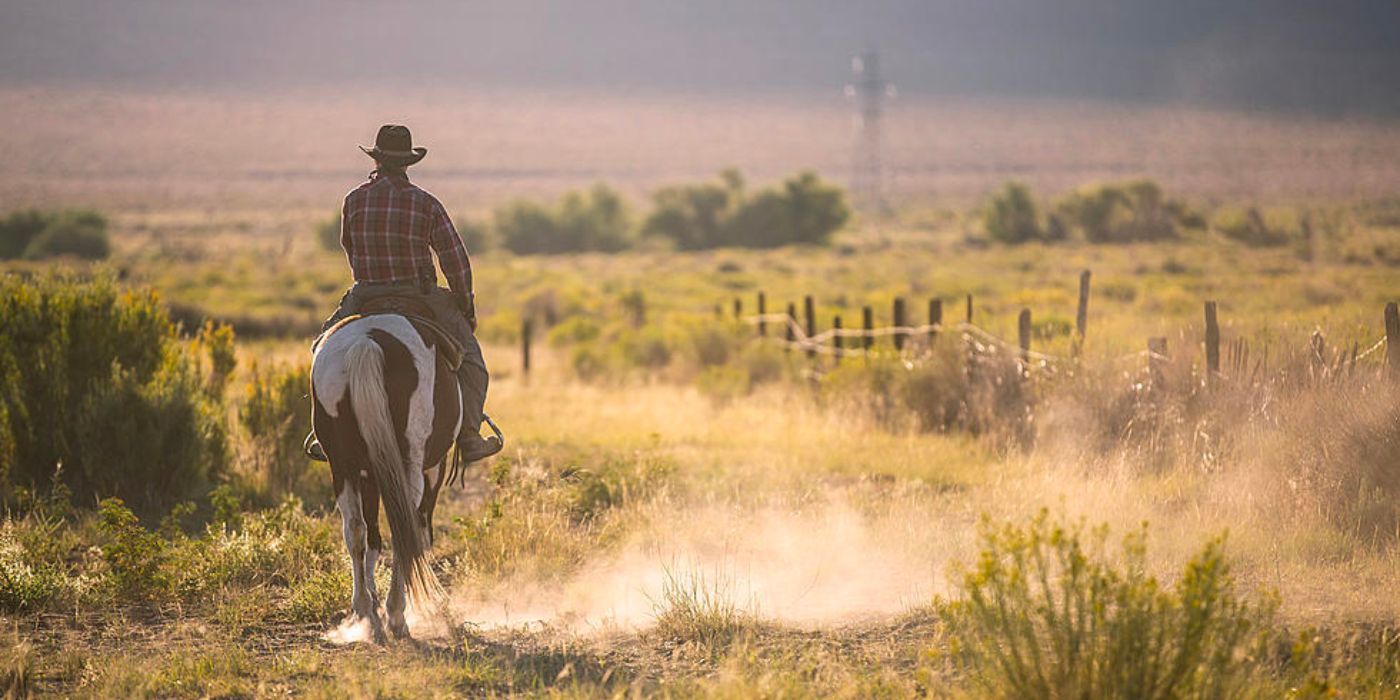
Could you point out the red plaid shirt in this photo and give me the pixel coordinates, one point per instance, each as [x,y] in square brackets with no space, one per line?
[388,226]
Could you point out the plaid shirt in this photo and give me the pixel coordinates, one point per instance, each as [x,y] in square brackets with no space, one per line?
[388,226]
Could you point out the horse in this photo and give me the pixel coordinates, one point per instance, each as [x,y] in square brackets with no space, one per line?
[386,407]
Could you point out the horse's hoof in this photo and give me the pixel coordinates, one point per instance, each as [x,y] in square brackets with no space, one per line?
[399,629]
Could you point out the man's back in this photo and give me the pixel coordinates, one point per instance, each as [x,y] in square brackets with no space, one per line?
[389,226]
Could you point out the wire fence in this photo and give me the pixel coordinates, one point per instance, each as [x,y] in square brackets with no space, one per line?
[831,341]
[818,343]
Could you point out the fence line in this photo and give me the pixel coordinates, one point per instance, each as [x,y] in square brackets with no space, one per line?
[799,340]
[817,343]
[804,337]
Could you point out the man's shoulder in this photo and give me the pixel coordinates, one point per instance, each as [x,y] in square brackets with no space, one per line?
[426,199]
[361,189]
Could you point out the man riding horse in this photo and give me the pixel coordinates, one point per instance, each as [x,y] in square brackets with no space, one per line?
[388,228]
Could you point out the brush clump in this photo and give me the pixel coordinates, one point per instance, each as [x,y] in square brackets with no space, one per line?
[1049,612]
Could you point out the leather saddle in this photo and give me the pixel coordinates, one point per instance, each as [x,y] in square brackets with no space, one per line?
[418,313]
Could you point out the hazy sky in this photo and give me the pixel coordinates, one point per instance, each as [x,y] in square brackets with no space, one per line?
[1334,56]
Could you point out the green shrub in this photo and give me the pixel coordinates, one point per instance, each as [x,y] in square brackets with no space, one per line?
[476,235]
[152,441]
[80,234]
[95,379]
[1129,212]
[18,229]
[646,347]
[936,391]
[216,341]
[27,582]
[1046,612]
[596,220]
[321,597]
[1251,228]
[693,217]
[280,547]
[574,330]
[276,413]
[133,554]
[328,234]
[528,227]
[711,344]
[1011,216]
[709,215]
[38,234]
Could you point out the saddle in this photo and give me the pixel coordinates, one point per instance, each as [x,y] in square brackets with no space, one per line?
[418,313]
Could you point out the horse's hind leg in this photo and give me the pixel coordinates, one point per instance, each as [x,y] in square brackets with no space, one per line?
[369,501]
[353,527]
[397,603]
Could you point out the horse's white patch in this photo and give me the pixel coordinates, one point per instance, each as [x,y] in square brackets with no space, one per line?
[330,376]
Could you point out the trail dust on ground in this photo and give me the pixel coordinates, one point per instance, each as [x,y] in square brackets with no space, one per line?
[799,566]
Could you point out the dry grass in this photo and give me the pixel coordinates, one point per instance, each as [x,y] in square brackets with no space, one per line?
[664,533]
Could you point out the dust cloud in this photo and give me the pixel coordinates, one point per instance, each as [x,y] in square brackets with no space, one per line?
[816,566]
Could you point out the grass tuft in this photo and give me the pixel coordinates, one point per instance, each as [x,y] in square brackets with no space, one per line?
[700,609]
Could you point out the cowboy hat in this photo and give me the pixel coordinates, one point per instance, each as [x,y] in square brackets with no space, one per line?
[394,146]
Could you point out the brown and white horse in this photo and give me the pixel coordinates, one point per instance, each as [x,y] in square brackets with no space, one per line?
[386,409]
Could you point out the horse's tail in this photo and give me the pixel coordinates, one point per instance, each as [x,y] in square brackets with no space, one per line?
[365,367]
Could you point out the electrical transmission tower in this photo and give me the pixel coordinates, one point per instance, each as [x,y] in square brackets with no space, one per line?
[867,169]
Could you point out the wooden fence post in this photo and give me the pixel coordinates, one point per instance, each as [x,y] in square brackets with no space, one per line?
[899,322]
[969,309]
[867,316]
[935,318]
[838,341]
[809,308]
[525,328]
[1156,353]
[1023,327]
[1318,345]
[1392,338]
[787,325]
[1212,343]
[1081,319]
[762,310]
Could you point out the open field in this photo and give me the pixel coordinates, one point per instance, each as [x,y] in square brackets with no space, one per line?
[684,510]
[204,155]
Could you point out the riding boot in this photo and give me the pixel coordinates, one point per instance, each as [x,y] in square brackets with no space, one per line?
[472,379]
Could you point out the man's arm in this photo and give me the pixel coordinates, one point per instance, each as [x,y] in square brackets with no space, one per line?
[345,226]
[452,256]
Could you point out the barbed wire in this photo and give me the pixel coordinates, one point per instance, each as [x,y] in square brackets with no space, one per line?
[1373,348]
[818,343]
[801,341]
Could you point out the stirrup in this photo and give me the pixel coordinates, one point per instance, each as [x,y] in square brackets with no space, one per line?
[312,447]
[478,447]
[486,446]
